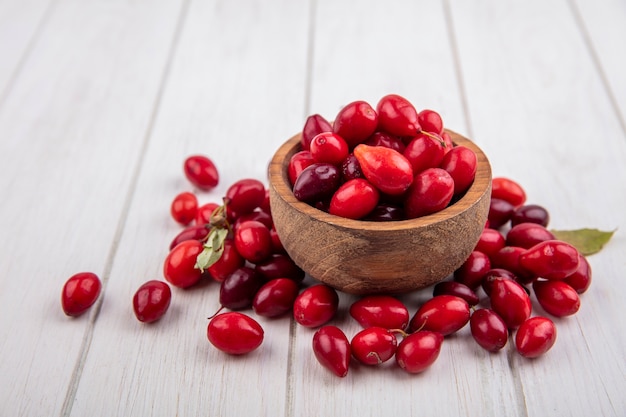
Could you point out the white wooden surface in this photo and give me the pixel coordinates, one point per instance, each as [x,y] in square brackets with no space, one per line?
[100,102]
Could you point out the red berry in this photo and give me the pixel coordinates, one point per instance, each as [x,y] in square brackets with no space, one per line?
[509,258]
[374,345]
[253,241]
[424,152]
[527,235]
[380,311]
[354,199]
[350,168]
[245,195]
[418,351]
[530,213]
[355,122]
[556,297]
[457,289]
[488,329]
[431,191]
[235,333]
[330,148]
[430,121]
[396,115]
[387,169]
[275,297]
[580,280]
[198,232]
[315,306]
[508,190]
[472,271]
[331,348]
[151,301]
[510,301]
[297,163]
[444,314]
[317,182]
[386,140]
[500,212]
[238,290]
[179,267]
[551,259]
[201,172]
[494,273]
[535,337]
[490,242]
[79,293]
[204,213]
[184,207]
[229,262]
[314,125]
[279,266]
[461,163]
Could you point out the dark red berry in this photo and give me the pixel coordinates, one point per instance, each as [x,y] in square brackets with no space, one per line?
[151,301]
[275,297]
[79,293]
[380,311]
[418,351]
[444,314]
[201,172]
[331,348]
[535,337]
[315,306]
[374,345]
[488,329]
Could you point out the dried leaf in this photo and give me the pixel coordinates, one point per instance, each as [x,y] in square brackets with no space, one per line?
[587,241]
[213,249]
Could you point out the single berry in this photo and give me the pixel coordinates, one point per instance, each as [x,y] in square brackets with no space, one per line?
[151,301]
[418,351]
[201,172]
[535,337]
[374,345]
[79,293]
[331,348]
[380,311]
[315,306]
[235,333]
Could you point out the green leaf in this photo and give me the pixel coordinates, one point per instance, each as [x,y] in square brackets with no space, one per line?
[213,249]
[587,241]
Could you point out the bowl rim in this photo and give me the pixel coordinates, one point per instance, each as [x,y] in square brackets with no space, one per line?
[279,181]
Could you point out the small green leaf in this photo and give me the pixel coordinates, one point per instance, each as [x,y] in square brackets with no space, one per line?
[213,249]
[587,241]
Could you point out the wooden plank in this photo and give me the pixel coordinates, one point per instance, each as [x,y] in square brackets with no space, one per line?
[235,91]
[540,110]
[404,49]
[20,26]
[72,131]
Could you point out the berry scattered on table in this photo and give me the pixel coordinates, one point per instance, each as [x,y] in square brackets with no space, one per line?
[79,293]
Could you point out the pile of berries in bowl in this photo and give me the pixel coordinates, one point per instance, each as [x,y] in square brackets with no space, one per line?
[382,200]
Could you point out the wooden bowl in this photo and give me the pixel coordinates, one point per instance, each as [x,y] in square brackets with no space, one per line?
[366,257]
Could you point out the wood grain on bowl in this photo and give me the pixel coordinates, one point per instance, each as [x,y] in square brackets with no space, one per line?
[364,257]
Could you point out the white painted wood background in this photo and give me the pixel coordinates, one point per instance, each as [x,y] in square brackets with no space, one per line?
[100,102]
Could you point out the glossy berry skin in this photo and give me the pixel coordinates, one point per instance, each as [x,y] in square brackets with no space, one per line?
[430,121]
[488,329]
[184,207]
[297,163]
[509,258]
[527,235]
[461,163]
[235,333]
[245,195]
[580,280]
[380,311]
[151,301]
[313,126]
[201,172]
[443,314]
[179,266]
[397,116]
[257,215]
[315,306]
[500,212]
[508,190]
[386,140]
[317,182]
[279,265]
[354,199]
[253,241]
[556,297]
[493,274]
[79,293]
[418,351]
[510,301]
[431,191]
[388,170]
[197,232]
[331,348]
[329,147]
[238,290]
[350,168]
[228,263]
[473,269]
[204,213]
[457,289]
[356,122]
[530,213]
[424,152]
[490,241]
[386,212]
[275,297]
[374,345]
[551,259]
[535,337]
